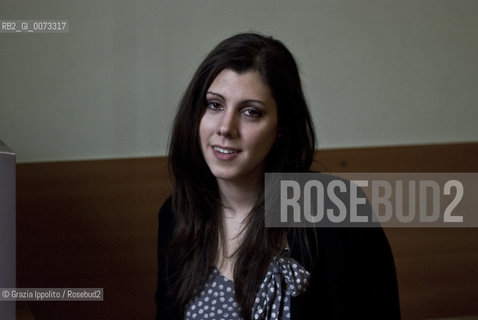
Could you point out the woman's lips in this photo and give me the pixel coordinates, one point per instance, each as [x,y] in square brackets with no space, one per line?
[225,153]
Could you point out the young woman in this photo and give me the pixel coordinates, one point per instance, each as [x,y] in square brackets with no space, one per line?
[244,114]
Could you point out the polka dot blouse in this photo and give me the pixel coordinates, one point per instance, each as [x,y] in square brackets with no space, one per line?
[285,278]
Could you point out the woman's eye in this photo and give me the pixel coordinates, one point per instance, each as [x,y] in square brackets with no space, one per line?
[252,113]
[214,105]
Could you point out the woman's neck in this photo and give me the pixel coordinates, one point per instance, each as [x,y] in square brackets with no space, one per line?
[238,199]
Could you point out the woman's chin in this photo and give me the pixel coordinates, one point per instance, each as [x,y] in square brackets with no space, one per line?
[224,175]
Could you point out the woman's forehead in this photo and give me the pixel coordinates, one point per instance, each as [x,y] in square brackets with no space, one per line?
[231,84]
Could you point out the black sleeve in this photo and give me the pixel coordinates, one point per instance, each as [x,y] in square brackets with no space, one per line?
[370,277]
[163,301]
[353,276]
[371,283]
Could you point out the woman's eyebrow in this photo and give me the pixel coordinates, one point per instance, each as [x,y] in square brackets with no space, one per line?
[256,101]
[245,101]
[216,94]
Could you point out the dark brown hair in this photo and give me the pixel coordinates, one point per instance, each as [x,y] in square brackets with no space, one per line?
[196,203]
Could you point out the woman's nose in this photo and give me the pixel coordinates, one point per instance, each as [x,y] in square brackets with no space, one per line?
[228,125]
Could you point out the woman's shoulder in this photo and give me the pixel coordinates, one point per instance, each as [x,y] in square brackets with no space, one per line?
[167,205]
[347,247]
[166,215]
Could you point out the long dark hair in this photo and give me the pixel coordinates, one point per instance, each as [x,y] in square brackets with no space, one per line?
[195,243]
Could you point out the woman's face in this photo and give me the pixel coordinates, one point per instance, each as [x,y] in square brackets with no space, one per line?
[239,126]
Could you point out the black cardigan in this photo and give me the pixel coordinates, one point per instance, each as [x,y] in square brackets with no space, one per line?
[352,275]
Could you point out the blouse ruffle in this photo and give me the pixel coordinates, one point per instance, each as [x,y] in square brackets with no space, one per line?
[285,278]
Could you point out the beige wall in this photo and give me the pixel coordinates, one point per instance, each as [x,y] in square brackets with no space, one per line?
[376,72]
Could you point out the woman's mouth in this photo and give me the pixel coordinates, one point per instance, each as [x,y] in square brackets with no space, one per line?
[225,150]
[225,153]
